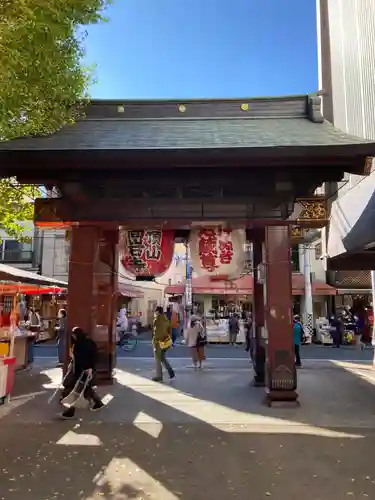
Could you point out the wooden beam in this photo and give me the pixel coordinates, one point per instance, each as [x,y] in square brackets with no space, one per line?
[13,162]
[179,213]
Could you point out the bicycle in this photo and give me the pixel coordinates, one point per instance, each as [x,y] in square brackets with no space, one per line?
[128,341]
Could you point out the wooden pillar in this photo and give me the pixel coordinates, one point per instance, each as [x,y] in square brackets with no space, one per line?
[106,277]
[92,291]
[258,348]
[281,370]
[84,244]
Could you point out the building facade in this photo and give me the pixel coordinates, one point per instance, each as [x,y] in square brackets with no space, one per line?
[22,254]
[346,51]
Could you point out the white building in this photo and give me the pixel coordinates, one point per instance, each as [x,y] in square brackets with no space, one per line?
[24,255]
[55,254]
[346,49]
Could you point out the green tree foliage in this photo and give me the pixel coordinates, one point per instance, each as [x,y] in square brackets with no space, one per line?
[16,206]
[41,75]
[42,81]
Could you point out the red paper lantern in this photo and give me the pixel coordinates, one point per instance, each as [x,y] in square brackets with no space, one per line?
[146,252]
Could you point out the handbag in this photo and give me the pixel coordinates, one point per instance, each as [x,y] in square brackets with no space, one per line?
[201,337]
[165,344]
[76,398]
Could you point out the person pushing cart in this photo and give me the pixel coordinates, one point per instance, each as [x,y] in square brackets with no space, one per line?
[82,372]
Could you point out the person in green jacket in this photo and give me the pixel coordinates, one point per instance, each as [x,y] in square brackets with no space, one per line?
[162,341]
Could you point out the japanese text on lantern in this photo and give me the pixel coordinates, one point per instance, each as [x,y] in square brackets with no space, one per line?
[207,248]
[136,248]
[152,241]
[144,246]
[225,246]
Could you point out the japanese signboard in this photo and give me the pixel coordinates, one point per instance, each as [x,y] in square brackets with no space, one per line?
[146,252]
[218,251]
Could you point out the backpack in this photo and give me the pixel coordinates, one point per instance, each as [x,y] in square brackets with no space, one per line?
[302,332]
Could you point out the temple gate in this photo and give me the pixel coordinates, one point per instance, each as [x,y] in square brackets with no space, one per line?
[253,163]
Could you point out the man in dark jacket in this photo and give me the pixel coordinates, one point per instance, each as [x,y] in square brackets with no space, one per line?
[85,354]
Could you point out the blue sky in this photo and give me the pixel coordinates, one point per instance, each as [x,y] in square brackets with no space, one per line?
[204,48]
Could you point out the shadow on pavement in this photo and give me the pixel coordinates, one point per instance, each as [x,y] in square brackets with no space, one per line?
[165,456]
[328,390]
[29,382]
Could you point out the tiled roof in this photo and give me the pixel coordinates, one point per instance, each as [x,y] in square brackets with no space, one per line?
[224,124]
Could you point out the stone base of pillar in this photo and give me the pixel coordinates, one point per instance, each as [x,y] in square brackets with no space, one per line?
[281,378]
[282,398]
[106,366]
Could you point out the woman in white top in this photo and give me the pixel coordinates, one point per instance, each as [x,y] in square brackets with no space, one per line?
[196,340]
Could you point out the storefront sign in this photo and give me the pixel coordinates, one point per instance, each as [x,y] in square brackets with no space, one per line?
[218,251]
[146,252]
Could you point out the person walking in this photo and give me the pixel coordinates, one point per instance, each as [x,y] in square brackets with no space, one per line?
[62,333]
[359,327]
[175,324]
[195,339]
[337,327]
[234,328]
[85,355]
[248,327]
[298,336]
[161,341]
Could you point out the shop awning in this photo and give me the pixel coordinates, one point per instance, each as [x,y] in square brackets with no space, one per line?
[244,286]
[15,275]
[130,291]
[352,226]
[318,287]
[14,288]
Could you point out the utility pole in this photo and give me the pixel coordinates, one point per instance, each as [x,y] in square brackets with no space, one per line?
[188,296]
[309,312]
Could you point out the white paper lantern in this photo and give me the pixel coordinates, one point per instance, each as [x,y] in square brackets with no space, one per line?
[217,250]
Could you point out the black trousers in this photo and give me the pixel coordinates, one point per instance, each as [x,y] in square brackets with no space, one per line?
[297,355]
[90,393]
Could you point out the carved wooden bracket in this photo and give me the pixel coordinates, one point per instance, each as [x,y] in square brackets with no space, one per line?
[313,212]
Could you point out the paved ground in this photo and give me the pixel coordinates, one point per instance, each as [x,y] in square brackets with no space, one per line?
[205,436]
[144,350]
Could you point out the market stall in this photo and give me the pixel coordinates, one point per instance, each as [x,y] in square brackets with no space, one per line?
[218,299]
[17,335]
[217,330]
[324,331]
